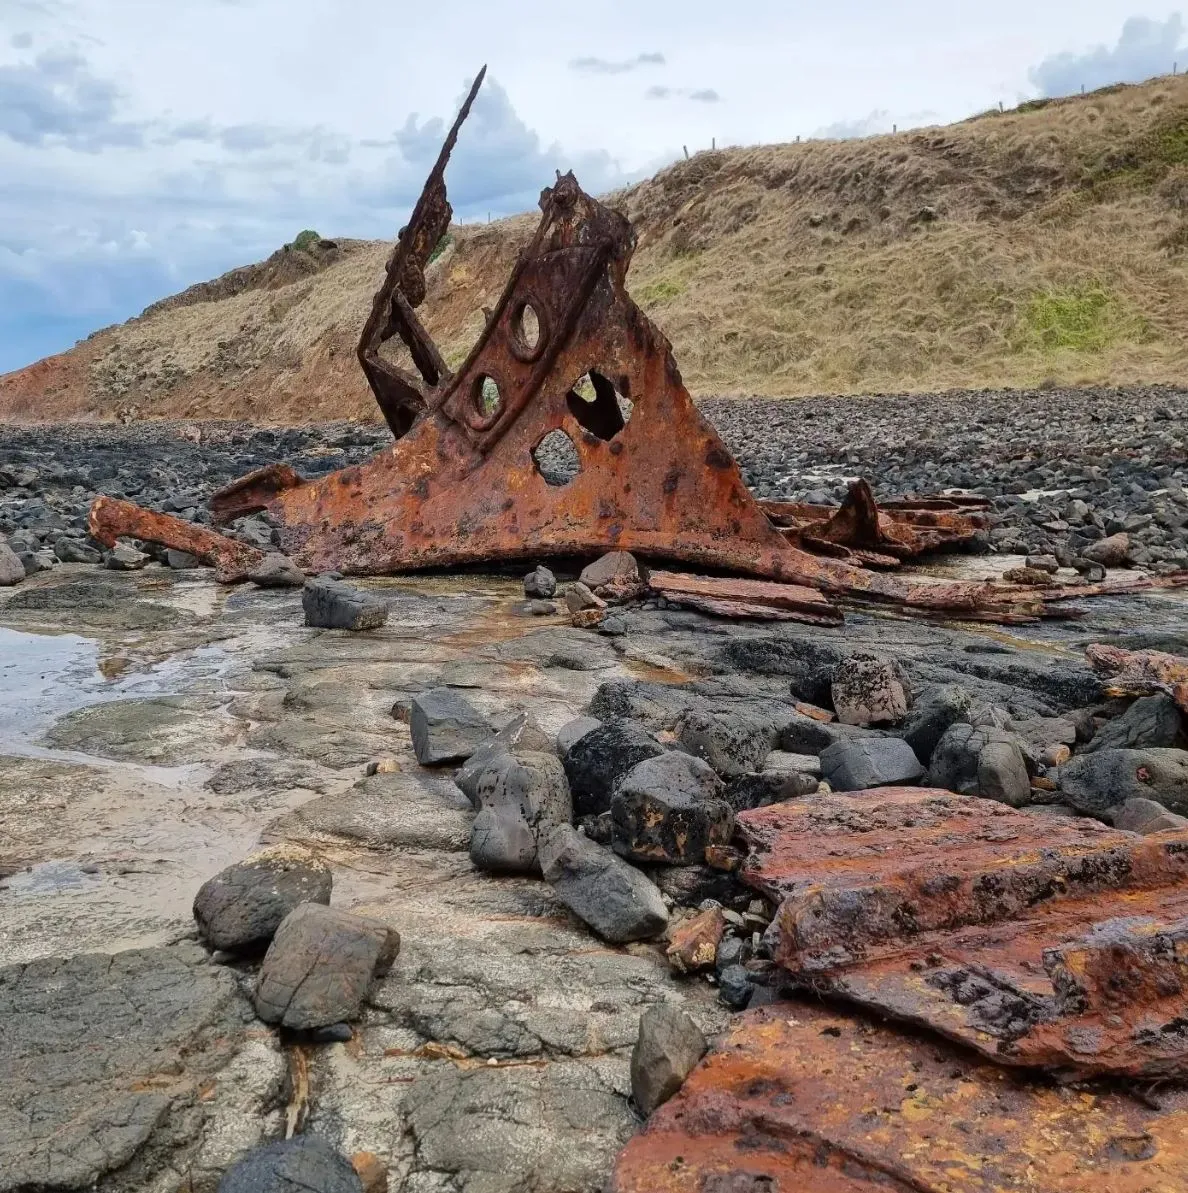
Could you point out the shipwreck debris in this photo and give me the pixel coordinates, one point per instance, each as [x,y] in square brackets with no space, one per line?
[566,352]
[1141,672]
[1051,942]
[801,1096]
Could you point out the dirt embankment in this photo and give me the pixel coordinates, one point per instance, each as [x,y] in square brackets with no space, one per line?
[1041,244]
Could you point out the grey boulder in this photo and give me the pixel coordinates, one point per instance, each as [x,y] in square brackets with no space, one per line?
[1097,782]
[669,809]
[123,558]
[241,907]
[519,795]
[1146,816]
[520,733]
[12,571]
[181,560]
[986,762]
[596,762]
[877,762]
[801,734]
[1111,552]
[573,731]
[303,1164]
[618,902]
[938,709]
[320,966]
[668,1046]
[768,787]
[731,743]
[1151,722]
[540,582]
[70,550]
[332,605]
[446,727]
[277,571]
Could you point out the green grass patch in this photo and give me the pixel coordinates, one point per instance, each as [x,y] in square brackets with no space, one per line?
[662,290]
[305,240]
[1144,161]
[1080,318]
[443,244]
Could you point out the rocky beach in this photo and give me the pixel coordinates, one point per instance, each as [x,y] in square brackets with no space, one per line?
[452,902]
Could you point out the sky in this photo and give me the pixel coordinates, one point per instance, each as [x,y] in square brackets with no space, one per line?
[146,145]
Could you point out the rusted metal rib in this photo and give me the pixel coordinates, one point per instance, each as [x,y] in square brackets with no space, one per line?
[1036,940]
[110,519]
[800,1096]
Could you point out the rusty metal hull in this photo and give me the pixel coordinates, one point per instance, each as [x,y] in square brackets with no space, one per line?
[799,1097]
[1037,940]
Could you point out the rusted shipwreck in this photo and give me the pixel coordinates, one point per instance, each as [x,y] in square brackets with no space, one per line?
[461,483]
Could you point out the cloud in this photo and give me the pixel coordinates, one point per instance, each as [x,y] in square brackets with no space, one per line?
[1145,48]
[701,95]
[21,41]
[57,100]
[499,164]
[604,66]
[90,241]
[849,130]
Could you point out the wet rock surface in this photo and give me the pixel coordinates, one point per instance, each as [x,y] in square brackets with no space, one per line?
[301,1165]
[105,1059]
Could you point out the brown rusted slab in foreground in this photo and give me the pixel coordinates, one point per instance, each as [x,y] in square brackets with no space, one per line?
[802,1098]
[1037,940]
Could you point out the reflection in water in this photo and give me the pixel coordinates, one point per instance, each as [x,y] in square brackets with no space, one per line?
[58,877]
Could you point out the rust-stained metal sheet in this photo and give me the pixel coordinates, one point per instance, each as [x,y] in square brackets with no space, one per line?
[1037,940]
[1141,672]
[803,1098]
[759,599]
[890,532]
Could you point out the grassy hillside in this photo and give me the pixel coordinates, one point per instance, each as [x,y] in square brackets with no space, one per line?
[1049,243]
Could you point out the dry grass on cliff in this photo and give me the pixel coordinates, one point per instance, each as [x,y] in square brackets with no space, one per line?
[1046,243]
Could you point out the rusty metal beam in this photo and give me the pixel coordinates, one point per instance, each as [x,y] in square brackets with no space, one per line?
[111,519]
[760,599]
[1037,940]
[800,1096]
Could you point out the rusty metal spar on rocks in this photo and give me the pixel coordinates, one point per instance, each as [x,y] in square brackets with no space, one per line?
[566,351]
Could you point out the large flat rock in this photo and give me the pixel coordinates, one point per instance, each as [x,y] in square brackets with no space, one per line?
[116,1066]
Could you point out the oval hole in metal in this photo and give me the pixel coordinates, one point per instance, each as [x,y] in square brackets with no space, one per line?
[556,459]
[486,400]
[529,332]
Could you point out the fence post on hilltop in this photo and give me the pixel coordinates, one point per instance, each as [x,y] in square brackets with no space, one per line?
[686,149]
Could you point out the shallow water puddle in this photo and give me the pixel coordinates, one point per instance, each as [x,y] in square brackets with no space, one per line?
[45,676]
[57,877]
